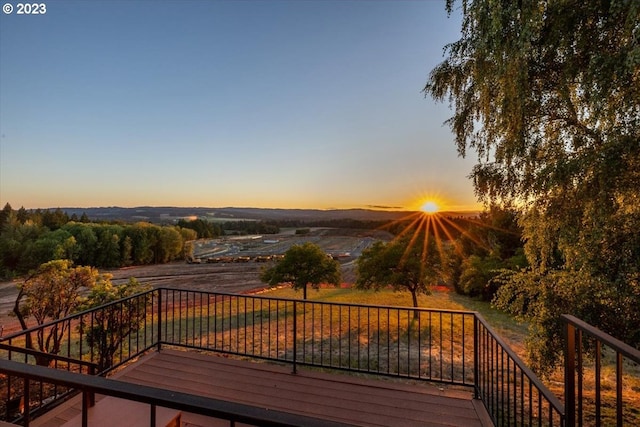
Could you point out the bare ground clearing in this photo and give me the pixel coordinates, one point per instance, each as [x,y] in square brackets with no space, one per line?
[230,277]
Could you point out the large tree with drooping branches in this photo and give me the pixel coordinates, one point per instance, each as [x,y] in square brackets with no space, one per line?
[548,96]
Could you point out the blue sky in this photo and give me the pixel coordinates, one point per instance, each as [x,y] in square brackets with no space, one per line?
[281,104]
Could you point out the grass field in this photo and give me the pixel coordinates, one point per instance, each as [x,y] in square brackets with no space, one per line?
[513,332]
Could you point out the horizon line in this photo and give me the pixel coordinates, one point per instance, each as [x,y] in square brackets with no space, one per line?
[378,208]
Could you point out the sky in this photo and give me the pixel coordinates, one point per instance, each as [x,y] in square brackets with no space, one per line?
[275,104]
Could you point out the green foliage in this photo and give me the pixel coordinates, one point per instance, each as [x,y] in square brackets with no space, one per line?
[477,274]
[112,324]
[303,265]
[546,89]
[55,290]
[411,263]
[497,233]
[50,293]
[4,215]
[18,251]
[204,229]
[548,95]
[249,227]
[541,297]
[187,234]
[30,238]
[53,220]
[473,250]
[491,243]
[168,244]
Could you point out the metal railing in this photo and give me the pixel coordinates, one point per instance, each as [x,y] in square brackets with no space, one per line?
[436,345]
[512,394]
[91,342]
[447,346]
[41,394]
[154,397]
[107,336]
[588,351]
[453,347]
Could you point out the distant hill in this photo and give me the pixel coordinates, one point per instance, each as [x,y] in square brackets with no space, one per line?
[168,214]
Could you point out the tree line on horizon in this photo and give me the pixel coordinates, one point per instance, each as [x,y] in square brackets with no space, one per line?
[29,239]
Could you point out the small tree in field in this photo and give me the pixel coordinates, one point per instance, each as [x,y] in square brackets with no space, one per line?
[303,265]
[55,290]
[411,263]
[50,293]
[109,326]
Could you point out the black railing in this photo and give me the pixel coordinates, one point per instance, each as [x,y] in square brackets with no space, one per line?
[90,342]
[511,392]
[436,345]
[107,336]
[589,393]
[454,347]
[154,397]
[41,394]
[447,346]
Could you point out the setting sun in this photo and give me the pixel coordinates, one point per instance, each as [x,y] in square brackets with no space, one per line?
[429,207]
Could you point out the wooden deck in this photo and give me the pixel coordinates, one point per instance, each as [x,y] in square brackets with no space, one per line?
[331,396]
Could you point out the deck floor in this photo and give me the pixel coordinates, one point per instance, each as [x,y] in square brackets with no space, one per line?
[331,396]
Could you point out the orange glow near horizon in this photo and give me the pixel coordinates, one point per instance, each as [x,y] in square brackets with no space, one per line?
[434,232]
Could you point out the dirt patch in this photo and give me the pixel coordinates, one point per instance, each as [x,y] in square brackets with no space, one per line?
[230,277]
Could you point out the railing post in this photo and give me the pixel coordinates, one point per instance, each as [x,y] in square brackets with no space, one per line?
[91,395]
[152,416]
[476,355]
[619,417]
[26,400]
[295,337]
[85,408]
[569,374]
[159,343]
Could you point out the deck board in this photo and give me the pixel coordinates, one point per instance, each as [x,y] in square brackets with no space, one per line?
[332,396]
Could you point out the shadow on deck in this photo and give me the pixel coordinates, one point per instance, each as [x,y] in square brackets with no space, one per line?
[334,397]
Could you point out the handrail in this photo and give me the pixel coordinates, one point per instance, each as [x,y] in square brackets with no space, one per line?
[354,337]
[343,304]
[72,316]
[621,347]
[91,365]
[228,294]
[153,396]
[575,366]
[527,371]
[73,335]
[510,406]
